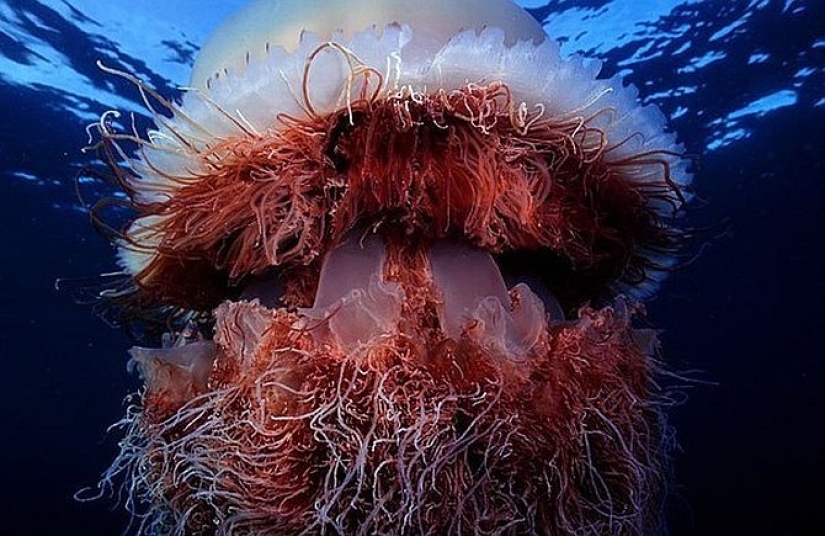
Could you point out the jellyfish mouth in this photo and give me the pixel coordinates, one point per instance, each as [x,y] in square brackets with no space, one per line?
[364,282]
[495,276]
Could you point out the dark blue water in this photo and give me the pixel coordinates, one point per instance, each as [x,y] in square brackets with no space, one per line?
[744,83]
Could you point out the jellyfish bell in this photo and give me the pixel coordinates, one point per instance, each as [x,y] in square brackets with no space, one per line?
[415,240]
[263,24]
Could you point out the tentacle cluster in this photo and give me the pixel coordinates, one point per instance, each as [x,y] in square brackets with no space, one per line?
[291,437]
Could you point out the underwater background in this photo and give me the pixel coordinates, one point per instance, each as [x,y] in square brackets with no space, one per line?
[743,83]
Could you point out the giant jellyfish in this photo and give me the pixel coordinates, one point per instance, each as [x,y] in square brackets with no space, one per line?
[389,259]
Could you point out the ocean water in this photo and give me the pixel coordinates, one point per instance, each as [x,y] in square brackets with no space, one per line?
[743,83]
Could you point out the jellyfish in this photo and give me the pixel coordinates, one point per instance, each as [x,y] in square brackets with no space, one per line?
[392,258]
